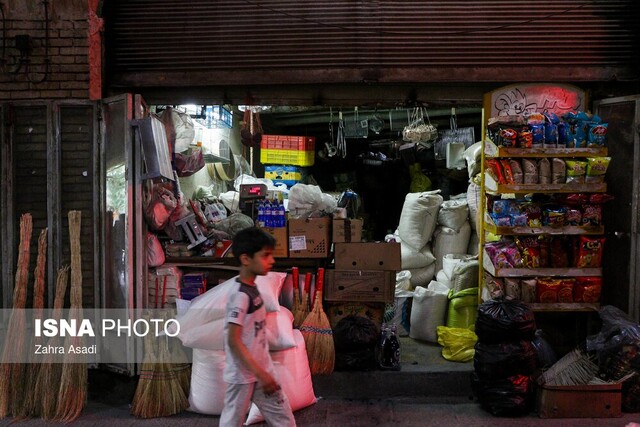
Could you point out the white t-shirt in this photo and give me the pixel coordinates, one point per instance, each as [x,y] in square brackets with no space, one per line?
[246,308]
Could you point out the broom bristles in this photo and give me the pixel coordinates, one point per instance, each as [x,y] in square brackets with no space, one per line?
[318,337]
[11,373]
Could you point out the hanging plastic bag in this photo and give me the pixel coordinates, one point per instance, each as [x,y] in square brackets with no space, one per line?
[188,164]
[458,343]
[251,128]
[464,136]
[418,131]
[419,181]
[155,254]
[159,205]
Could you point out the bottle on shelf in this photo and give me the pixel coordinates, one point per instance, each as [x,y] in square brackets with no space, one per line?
[282,215]
[268,214]
[261,222]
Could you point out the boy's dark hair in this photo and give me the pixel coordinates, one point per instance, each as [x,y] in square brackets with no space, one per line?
[251,240]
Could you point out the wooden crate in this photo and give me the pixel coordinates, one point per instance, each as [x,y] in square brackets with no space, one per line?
[580,401]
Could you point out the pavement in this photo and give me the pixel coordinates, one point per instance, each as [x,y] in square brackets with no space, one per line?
[428,391]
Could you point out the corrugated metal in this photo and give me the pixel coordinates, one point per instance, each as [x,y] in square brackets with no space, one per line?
[213,36]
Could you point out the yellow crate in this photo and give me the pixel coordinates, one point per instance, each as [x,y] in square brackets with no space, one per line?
[287,157]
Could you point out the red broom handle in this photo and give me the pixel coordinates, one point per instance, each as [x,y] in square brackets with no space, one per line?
[164,291]
[307,286]
[295,276]
[320,280]
[157,291]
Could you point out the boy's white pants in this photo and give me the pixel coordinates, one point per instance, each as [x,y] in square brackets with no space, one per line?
[274,408]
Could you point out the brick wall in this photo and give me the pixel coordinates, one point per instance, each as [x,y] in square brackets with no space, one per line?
[67,76]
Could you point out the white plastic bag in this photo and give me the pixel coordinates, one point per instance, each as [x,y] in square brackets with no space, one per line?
[308,200]
[428,311]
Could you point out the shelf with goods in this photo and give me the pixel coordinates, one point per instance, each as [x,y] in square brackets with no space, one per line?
[491,189]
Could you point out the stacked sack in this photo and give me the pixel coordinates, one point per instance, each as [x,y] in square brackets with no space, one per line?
[453,230]
[418,221]
[505,357]
[202,328]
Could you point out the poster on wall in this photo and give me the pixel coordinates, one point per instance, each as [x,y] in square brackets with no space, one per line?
[525,98]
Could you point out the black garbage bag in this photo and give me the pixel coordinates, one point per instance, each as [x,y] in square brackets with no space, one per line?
[507,397]
[504,321]
[502,360]
[355,339]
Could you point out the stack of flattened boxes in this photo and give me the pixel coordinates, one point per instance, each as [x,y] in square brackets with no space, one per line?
[363,281]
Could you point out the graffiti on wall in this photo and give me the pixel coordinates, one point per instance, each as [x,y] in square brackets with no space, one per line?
[528,98]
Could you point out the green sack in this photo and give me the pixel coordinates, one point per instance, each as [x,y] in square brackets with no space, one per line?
[419,181]
[463,308]
[458,343]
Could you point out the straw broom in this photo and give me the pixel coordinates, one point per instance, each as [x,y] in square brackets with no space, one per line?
[318,335]
[181,366]
[302,312]
[73,383]
[12,373]
[50,369]
[31,402]
[159,393]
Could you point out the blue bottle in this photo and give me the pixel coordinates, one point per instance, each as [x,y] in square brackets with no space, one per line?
[261,216]
[268,214]
[282,215]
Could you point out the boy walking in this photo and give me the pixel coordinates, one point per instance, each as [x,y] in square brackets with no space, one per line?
[249,372]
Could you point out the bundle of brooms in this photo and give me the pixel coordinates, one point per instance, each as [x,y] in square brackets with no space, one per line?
[73,382]
[46,386]
[30,405]
[159,392]
[12,374]
[318,335]
[301,310]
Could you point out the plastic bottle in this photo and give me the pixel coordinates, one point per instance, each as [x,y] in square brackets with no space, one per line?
[261,214]
[268,214]
[389,349]
[282,215]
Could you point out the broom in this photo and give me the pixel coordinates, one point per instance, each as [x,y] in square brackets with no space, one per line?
[302,312]
[575,368]
[318,336]
[12,373]
[50,370]
[181,366]
[160,392]
[139,404]
[73,383]
[31,402]
[296,304]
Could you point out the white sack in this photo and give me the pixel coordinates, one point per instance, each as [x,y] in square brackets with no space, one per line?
[418,217]
[453,213]
[441,277]
[305,200]
[473,201]
[411,258]
[449,261]
[472,156]
[403,282]
[447,241]
[465,275]
[422,276]
[212,304]
[294,375]
[206,394]
[428,311]
[474,244]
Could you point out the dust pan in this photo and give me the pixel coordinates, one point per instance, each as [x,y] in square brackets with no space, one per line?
[318,335]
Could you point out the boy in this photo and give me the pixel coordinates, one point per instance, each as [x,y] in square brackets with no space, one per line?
[249,372]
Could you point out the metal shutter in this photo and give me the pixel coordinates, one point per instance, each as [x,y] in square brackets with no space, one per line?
[172,43]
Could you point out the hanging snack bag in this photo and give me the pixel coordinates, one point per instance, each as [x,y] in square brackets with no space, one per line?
[597,168]
[530,171]
[497,256]
[547,290]
[530,251]
[597,134]
[502,130]
[551,130]
[528,290]
[495,169]
[590,252]
[516,171]
[565,290]
[573,216]
[558,171]
[576,170]
[544,171]
[502,207]
[519,220]
[507,172]
[533,213]
[591,215]
[553,216]
[525,137]
[587,289]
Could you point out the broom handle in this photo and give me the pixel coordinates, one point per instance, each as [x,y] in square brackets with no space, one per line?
[164,291]
[295,278]
[307,286]
[319,284]
[157,291]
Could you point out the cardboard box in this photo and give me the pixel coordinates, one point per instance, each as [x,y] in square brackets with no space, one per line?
[347,230]
[359,285]
[368,256]
[373,311]
[280,234]
[309,237]
[580,401]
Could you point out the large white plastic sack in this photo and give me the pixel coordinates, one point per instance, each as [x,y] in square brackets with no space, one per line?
[474,244]
[306,200]
[294,375]
[211,306]
[418,217]
[449,261]
[473,201]
[422,276]
[453,213]
[412,258]
[443,278]
[449,241]
[428,311]
[465,275]
[206,394]
[472,156]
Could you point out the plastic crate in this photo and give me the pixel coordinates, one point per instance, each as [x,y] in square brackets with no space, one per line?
[287,157]
[288,175]
[286,142]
